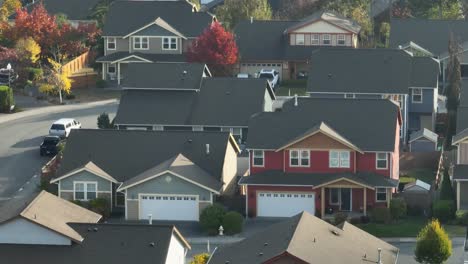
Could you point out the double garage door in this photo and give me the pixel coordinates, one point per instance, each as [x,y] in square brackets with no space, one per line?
[253,68]
[282,204]
[169,207]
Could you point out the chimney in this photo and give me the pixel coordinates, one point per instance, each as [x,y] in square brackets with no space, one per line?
[295,100]
[251,20]
[379,260]
[207,149]
[150,219]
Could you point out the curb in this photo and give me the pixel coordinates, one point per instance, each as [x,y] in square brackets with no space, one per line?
[53,110]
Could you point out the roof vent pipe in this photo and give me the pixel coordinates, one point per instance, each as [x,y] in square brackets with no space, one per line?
[251,20]
[150,219]
[295,100]
[379,260]
[207,149]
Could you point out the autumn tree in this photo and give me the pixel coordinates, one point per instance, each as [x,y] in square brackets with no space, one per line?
[433,245]
[7,55]
[28,50]
[200,258]
[57,80]
[296,9]
[215,47]
[8,8]
[234,11]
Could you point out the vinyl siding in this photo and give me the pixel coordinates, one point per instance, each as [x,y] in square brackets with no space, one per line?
[103,185]
[463,195]
[267,102]
[155,47]
[121,45]
[320,27]
[230,168]
[463,153]
[176,252]
[22,231]
[427,105]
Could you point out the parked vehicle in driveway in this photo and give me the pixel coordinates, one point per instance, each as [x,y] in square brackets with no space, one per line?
[271,75]
[63,127]
[50,146]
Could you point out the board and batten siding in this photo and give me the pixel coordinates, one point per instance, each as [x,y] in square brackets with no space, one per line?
[176,251]
[22,231]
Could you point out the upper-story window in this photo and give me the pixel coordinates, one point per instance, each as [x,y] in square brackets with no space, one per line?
[315,39]
[140,43]
[341,40]
[326,39]
[169,43]
[85,191]
[111,43]
[417,95]
[381,160]
[299,158]
[258,158]
[339,159]
[300,39]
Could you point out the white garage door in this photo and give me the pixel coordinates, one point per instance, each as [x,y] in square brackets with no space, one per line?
[284,204]
[169,207]
[253,68]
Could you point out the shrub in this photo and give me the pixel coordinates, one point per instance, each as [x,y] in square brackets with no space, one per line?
[462,217]
[100,206]
[398,208]
[340,217]
[101,84]
[211,218]
[380,215]
[35,74]
[233,222]
[443,210]
[200,258]
[103,121]
[433,244]
[6,99]
[446,190]
[365,219]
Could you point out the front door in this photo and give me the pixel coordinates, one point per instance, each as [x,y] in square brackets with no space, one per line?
[345,204]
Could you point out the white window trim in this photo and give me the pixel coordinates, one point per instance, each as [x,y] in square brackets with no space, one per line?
[317,40]
[262,157]
[412,96]
[303,39]
[141,43]
[330,196]
[113,66]
[169,43]
[329,39]
[299,157]
[114,41]
[339,159]
[85,190]
[338,40]
[197,128]
[377,160]
[377,192]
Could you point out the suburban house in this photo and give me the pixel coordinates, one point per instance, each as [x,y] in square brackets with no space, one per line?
[330,155]
[286,45]
[183,96]
[431,37]
[304,239]
[42,219]
[161,175]
[379,73]
[148,31]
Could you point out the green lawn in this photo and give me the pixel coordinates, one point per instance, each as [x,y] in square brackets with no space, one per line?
[425,175]
[292,87]
[408,227]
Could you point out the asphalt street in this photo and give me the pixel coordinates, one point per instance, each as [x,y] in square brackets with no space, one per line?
[20,162]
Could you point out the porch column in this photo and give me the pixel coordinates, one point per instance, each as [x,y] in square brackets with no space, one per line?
[322,201]
[389,195]
[458,195]
[104,71]
[118,73]
[364,191]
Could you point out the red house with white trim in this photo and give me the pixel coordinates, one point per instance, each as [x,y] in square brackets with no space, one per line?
[322,156]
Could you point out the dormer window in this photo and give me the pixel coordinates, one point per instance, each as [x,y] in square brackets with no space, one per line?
[341,40]
[111,43]
[315,39]
[326,39]
[300,39]
[169,43]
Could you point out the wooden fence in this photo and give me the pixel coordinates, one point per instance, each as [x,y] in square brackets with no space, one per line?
[78,63]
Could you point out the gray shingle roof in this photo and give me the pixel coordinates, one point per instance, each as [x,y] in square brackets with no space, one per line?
[424,133]
[430,34]
[125,17]
[220,102]
[314,179]
[460,172]
[309,239]
[124,154]
[331,17]
[111,243]
[165,75]
[147,56]
[73,9]
[387,71]
[368,130]
[14,206]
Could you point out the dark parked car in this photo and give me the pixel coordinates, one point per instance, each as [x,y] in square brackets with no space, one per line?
[50,145]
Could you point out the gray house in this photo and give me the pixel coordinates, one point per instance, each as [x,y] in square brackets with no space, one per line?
[423,140]
[408,80]
[157,175]
[148,31]
[182,96]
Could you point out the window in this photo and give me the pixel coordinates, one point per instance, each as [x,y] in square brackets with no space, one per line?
[349,96]
[381,160]
[197,128]
[334,196]
[299,39]
[235,131]
[258,158]
[111,44]
[315,39]
[339,159]
[85,191]
[326,39]
[299,158]
[381,194]
[417,95]
[140,43]
[111,69]
[341,41]
[169,43]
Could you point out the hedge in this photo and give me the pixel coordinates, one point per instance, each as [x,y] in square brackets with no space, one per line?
[211,218]
[233,223]
[6,99]
[444,210]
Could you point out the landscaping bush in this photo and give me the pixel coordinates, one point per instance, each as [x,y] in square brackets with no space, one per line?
[104,122]
[35,74]
[211,218]
[398,208]
[365,219]
[70,96]
[443,210]
[340,217]
[6,99]
[462,217]
[101,84]
[355,220]
[433,244]
[200,258]
[233,222]
[100,206]
[446,190]
[381,215]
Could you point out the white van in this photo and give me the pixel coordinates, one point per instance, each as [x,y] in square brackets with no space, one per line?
[62,127]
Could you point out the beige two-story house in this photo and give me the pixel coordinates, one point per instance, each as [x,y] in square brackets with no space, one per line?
[286,46]
[148,32]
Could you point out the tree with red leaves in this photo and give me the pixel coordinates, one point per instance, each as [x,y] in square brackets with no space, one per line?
[215,47]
